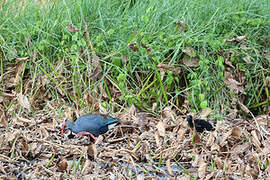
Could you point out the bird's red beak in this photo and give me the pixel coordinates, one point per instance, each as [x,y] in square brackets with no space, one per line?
[63,129]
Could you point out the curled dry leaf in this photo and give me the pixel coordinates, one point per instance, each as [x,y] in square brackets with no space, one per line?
[12,135]
[240,148]
[92,150]
[191,62]
[23,101]
[181,134]
[196,138]
[247,59]
[161,128]
[202,170]
[234,85]
[133,47]
[255,140]
[188,51]
[267,81]
[218,162]
[225,137]
[72,28]
[62,165]
[3,117]
[19,70]
[23,59]
[210,140]
[236,132]
[237,39]
[215,147]
[267,55]
[205,113]
[168,165]
[176,70]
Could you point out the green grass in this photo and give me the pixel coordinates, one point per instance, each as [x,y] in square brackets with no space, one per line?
[113,25]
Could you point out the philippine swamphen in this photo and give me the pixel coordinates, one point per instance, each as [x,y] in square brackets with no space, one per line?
[200,124]
[90,124]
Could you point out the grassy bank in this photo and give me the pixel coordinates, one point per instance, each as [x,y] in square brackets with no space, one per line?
[188,36]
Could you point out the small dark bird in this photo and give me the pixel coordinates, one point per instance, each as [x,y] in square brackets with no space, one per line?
[90,124]
[200,124]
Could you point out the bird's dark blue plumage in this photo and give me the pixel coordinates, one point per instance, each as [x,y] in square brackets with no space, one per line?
[95,124]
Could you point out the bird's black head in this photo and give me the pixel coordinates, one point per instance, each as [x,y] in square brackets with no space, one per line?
[189,120]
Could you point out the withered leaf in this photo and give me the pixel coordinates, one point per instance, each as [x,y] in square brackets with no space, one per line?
[225,137]
[196,138]
[267,81]
[62,165]
[23,59]
[72,28]
[168,165]
[188,51]
[234,85]
[175,70]
[202,170]
[191,62]
[23,101]
[19,70]
[237,39]
[267,55]
[133,47]
[161,128]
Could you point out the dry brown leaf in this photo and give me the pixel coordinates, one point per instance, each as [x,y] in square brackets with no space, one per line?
[234,85]
[125,59]
[23,101]
[12,135]
[236,132]
[23,59]
[210,176]
[157,139]
[72,28]
[23,120]
[86,167]
[191,62]
[188,51]
[218,162]
[181,134]
[62,165]
[161,128]
[196,138]
[175,70]
[247,59]
[168,165]
[92,151]
[243,107]
[215,147]
[205,113]
[140,177]
[168,113]
[225,137]
[267,81]
[237,39]
[19,70]
[202,170]
[3,117]
[255,140]
[240,148]
[133,47]
[267,55]
[210,140]
[97,66]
